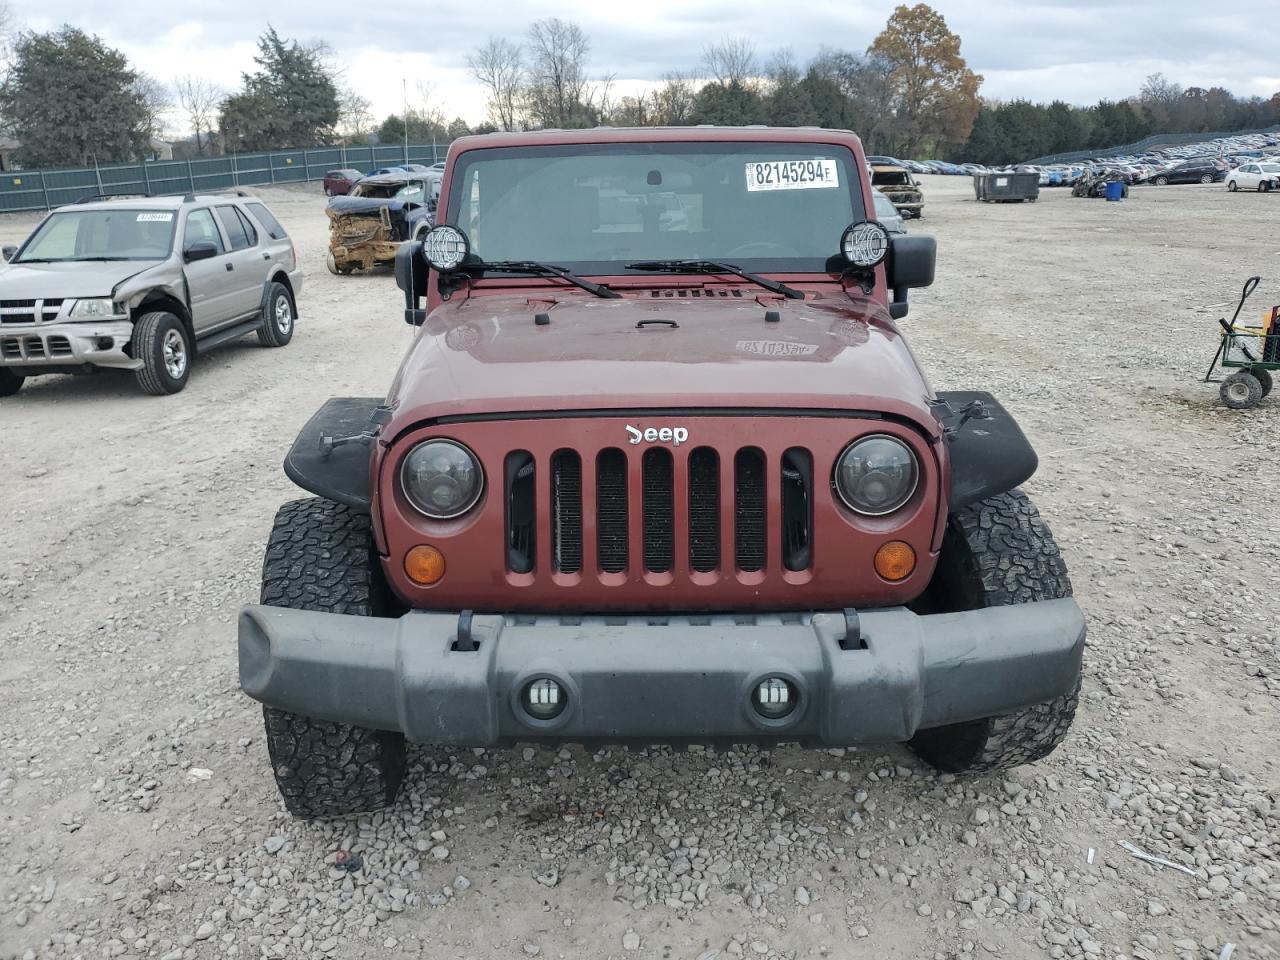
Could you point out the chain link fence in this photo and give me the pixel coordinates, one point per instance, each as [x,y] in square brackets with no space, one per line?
[23,190]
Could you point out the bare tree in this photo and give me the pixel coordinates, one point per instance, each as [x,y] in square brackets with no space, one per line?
[673,101]
[556,93]
[499,66]
[731,62]
[199,100]
[156,100]
[355,117]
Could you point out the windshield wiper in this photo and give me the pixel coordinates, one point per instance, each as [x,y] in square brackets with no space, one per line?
[96,259]
[546,270]
[714,266]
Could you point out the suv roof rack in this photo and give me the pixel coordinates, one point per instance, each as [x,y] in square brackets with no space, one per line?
[131,195]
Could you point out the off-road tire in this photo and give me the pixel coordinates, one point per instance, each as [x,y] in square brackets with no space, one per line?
[320,556]
[1264,379]
[1241,390]
[274,332]
[151,333]
[10,382]
[996,553]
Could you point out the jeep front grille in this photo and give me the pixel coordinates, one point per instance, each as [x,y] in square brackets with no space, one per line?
[629,496]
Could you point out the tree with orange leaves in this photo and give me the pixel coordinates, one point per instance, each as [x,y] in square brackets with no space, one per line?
[935,92]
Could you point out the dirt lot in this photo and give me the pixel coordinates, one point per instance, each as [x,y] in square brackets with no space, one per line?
[137,813]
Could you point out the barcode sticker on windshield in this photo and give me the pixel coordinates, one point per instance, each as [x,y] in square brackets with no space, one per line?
[792,175]
[154,217]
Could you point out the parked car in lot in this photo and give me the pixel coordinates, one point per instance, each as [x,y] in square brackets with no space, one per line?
[631,485]
[383,171]
[887,213]
[1195,170]
[147,285]
[367,226]
[897,183]
[1254,176]
[338,183]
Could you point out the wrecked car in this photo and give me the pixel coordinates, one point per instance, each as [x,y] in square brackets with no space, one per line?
[898,185]
[367,226]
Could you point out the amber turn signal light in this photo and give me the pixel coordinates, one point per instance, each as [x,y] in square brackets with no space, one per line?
[895,560]
[424,565]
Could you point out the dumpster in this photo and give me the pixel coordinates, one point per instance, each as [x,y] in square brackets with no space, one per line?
[1006,187]
[1115,190]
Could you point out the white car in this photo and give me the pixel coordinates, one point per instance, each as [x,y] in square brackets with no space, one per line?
[1254,176]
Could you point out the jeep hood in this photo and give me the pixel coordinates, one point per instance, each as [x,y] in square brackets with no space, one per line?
[68,280]
[489,355]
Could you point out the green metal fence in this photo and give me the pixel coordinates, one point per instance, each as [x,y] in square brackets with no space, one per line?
[44,189]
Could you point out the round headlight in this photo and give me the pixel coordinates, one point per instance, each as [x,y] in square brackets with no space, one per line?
[876,475]
[442,478]
[865,243]
[445,247]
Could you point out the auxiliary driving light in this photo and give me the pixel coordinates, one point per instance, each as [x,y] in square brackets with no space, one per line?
[774,698]
[544,699]
[864,243]
[445,247]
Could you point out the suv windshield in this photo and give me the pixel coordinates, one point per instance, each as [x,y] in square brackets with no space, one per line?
[114,234]
[763,206]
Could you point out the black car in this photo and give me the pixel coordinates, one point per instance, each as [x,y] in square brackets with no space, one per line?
[1195,170]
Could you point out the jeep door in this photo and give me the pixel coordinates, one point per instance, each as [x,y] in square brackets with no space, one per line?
[249,264]
[210,283]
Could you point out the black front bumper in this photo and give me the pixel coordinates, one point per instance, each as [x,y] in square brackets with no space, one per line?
[659,679]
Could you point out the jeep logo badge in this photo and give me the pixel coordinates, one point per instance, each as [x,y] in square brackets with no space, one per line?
[672,435]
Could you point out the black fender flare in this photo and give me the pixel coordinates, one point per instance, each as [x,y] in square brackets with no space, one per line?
[266,288]
[988,456]
[337,471]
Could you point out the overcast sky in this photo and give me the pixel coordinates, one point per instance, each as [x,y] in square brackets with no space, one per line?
[1038,49]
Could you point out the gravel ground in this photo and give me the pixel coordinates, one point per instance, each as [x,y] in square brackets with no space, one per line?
[137,813]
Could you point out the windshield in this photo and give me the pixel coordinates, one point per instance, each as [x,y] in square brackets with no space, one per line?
[116,234]
[884,206]
[593,208]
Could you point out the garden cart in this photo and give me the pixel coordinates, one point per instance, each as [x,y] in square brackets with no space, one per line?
[1252,352]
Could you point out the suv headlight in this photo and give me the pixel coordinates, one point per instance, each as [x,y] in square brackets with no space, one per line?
[442,478]
[94,308]
[876,475]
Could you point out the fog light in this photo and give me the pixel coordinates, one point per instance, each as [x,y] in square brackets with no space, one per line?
[544,699]
[105,343]
[774,698]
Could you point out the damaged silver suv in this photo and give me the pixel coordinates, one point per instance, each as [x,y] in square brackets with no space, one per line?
[144,284]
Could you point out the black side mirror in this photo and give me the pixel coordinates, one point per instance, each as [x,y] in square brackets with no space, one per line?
[7,251]
[200,250]
[912,261]
[411,277]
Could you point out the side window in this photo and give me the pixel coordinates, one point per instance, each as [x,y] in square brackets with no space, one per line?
[274,230]
[250,230]
[201,229]
[235,229]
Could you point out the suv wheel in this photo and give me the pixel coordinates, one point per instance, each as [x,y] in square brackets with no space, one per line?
[277,317]
[10,382]
[321,556]
[163,345]
[997,553]
[1241,390]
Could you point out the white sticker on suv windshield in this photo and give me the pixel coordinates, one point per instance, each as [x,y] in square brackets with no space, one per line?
[792,175]
[154,217]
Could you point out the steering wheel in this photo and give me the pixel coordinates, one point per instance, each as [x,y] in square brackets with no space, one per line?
[762,248]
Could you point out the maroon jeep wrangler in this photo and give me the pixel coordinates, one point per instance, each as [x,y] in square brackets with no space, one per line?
[659,467]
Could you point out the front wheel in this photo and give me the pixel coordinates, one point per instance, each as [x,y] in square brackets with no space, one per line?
[10,382]
[277,317]
[1241,390]
[321,556]
[1231,185]
[161,342]
[997,553]
[1264,186]
[1206,178]
[1161,181]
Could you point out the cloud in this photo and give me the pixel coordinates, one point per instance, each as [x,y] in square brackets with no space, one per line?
[1079,51]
